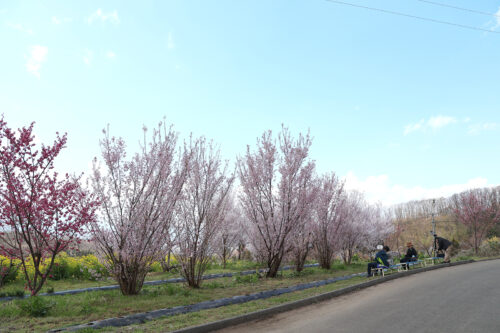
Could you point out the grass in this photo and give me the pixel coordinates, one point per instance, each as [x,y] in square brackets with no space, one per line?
[69,284]
[85,307]
[197,318]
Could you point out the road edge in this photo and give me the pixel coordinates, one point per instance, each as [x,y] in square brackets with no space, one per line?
[261,314]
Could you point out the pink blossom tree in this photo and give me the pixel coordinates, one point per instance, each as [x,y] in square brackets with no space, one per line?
[478,211]
[363,226]
[354,224]
[302,243]
[139,197]
[327,218]
[230,231]
[41,212]
[201,211]
[276,181]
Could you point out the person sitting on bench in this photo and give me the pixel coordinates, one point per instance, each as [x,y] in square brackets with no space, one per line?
[411,254]
[381,258]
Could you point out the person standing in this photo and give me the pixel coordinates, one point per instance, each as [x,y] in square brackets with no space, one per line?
[442,244]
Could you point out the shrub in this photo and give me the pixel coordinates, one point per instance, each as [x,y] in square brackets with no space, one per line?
[8,270]
[60,270]
[156,267]
[35,306]
[490,247]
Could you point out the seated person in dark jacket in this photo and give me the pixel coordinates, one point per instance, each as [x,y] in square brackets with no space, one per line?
[442,244]
[381,258]
[411,254]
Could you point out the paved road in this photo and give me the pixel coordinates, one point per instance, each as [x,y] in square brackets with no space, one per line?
[462,298]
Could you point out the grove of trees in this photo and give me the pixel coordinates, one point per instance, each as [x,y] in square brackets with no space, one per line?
[182,199]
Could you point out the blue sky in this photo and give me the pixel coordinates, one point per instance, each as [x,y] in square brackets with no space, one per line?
[405,109]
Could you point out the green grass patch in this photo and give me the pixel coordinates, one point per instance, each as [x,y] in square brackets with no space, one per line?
[85,307]
[192,319]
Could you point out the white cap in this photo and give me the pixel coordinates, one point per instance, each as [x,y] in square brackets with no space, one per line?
[380,247]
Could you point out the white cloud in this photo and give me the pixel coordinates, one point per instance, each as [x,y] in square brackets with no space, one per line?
[88,55]
[440,121]
[56,20]
[110,54]
[37,56]
[434,123]
[477,128]
[413,127]
[20,27]
[497,17]
[379,189]
[99,15]
[171,42]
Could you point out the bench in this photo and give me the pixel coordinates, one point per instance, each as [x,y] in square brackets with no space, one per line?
[397,267]
[432,260]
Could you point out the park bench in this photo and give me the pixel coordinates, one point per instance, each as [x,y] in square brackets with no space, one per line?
[397,267]
[432,260]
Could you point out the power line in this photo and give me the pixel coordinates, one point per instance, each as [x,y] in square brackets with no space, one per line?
[459,8]
[412,16]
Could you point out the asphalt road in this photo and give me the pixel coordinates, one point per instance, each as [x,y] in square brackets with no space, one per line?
[463,298]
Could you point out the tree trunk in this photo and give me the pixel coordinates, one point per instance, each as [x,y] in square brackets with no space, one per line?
[224,253]
[273,266]
[130,285]
[300,260]
[325,262]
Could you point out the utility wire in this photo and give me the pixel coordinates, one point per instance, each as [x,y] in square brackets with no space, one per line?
[459,8]
[412,16]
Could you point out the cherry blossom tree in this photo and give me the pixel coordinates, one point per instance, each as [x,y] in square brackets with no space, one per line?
[139,196]
[302,243]
[477,210]
[201,211]
[327,218]
[230,231]
[41,212]
[363,226]
[276,181]
[354,220]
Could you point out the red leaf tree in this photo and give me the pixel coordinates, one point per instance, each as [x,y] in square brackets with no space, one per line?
[477,210]
[275,193]
[139,196]
[41,213]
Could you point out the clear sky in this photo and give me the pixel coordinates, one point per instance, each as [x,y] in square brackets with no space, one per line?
[404,108]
